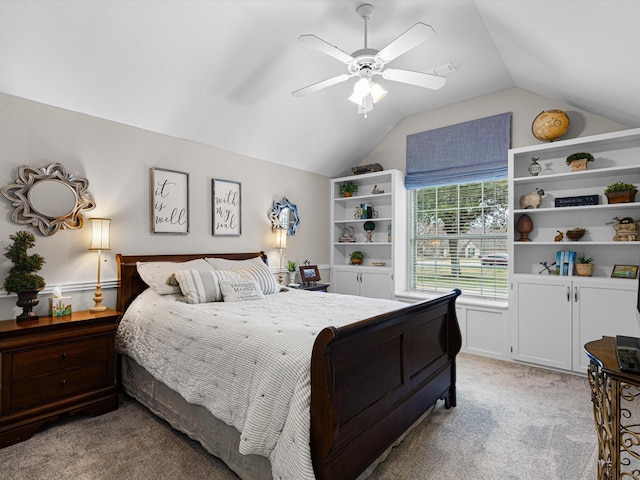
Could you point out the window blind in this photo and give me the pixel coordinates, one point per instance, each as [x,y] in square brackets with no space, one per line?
[469,151]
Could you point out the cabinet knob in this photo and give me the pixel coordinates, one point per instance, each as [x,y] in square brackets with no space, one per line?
[63,383]
[63,355]
[568,294]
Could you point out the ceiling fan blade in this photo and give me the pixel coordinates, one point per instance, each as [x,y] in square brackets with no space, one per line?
[319,44]
[419,33]
[320,85]
[425,80]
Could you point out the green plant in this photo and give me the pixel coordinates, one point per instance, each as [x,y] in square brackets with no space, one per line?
[22,276]
[348,187]
[291,266]
[583,259]
[579,156]
[620,187]
[357,255]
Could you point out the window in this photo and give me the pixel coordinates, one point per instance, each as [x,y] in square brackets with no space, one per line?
[458,238]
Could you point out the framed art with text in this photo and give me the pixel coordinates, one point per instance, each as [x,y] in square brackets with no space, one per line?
[226,206]
[169,201]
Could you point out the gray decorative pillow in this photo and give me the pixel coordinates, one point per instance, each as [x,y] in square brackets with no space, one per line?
[240,290]
[157,274]
[202,286]
[234,265]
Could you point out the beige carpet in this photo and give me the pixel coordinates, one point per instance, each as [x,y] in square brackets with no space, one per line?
[511,422]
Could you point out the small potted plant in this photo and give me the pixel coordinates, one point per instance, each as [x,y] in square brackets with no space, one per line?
[578,161]
[348,189]
[621,192]
[357,258]
[22,278]
[584,265]
[291,267]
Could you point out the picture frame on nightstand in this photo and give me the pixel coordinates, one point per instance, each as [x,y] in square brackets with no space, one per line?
[309,274]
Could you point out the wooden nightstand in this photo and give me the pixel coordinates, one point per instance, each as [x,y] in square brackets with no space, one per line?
[318,287]
[55,365]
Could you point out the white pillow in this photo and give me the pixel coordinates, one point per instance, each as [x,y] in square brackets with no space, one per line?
[202,286]
[156,274]
[240,290]
[234,265]
[263,277]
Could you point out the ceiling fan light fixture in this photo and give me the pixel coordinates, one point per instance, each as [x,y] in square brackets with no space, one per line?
[377,92]
[360,90]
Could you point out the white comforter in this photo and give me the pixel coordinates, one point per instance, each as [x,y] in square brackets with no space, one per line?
[248,363]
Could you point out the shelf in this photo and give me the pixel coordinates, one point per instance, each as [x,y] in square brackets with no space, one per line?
[565,210]
[584,242]
[364,243]
[577,176]
[361,220]
[359,198]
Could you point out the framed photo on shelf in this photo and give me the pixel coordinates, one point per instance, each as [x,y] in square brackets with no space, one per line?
[225,206]
[169,201]
[309,273]
[624,271]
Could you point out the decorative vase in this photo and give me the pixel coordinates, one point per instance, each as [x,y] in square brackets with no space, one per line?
[584,269]
[535,168]
[27,300]
[621,197]
[578,165]
[524,226]
[347,194]
[356,261]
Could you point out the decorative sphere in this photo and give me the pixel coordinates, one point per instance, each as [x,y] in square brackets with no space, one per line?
[550,125]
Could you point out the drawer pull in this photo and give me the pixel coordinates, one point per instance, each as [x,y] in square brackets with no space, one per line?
[63,383]
[63,355]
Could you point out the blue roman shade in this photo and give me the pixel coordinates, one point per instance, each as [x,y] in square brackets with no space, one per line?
[466,152]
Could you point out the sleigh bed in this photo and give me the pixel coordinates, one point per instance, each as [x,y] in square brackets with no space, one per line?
[370,380]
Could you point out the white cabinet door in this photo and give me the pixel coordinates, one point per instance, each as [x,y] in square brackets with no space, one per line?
[357,281]
[602,309]
[544,322]
[346,281]
[376,285]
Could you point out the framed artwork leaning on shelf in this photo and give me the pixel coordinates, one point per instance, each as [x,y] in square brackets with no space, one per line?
[624,271]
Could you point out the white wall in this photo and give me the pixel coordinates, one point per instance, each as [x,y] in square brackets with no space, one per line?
[116,159]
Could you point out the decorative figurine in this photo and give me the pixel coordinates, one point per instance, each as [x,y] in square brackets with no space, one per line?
[558,237]
[375,190]
[524,226]
[532,200]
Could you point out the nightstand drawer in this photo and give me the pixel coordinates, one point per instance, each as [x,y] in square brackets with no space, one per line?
[39,361]
[46,388]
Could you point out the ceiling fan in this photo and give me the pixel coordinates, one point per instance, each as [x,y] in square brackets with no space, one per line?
[368,62]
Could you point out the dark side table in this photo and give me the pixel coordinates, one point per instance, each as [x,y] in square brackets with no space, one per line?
[617,418]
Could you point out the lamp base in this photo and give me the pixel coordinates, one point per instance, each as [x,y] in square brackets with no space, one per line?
[97,298]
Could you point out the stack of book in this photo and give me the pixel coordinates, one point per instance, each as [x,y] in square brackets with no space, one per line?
[366,211]
[565,262]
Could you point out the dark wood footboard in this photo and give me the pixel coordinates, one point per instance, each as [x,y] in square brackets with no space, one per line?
[371,380]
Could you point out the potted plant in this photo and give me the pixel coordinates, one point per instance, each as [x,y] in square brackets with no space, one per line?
[584,267]
[578,161]
[357,258]
[22,278]
[291,267]
[621,192]
[348,188]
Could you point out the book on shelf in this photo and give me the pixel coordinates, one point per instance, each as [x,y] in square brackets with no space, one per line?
[565,261]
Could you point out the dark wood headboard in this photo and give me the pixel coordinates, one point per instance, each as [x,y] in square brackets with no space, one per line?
[130,285]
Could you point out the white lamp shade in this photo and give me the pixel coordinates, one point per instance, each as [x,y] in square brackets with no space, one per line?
[281,238]
[377,92]
[100,234]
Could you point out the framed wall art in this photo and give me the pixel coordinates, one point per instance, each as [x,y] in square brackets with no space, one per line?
[169,201]
[226,207]
[624,271]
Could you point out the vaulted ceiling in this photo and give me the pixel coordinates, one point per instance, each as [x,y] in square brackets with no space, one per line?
[221,72]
